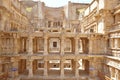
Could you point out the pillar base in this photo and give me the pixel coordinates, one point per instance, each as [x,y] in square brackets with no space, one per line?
[30,75]
[93,78]
[62,76]
[45,74]
[45,53]
[62,54]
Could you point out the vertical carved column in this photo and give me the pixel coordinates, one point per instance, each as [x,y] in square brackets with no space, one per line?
[38,42]
[15,45]
[119,74]
[116,43]
[105,45]
[112,72]
[27,45]
[30,43]
[62,45]
[110,43]
[7,45]
[1,64]
[30,67]
[81,46]
[76,45]
[45,45]
[15,66]
[90,45]
[22,44]
[62,68]
[93,68]
[0,45]
[45,68]
[76,68]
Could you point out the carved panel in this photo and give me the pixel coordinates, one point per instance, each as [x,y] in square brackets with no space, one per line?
[54,45]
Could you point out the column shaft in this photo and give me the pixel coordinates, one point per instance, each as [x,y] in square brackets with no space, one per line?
[15,66]
[30,47]
[45,46]
[90,46]
[77,68]
[116,43]
[15,46]
[81,46]
[0,46]
[45,68]
[93,69]
[30,68]
[62,45]
[62,68]
[76,46]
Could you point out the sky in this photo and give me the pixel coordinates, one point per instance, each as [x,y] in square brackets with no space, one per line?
[58,3]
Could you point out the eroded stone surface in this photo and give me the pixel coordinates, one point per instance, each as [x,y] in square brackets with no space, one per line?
[74,42]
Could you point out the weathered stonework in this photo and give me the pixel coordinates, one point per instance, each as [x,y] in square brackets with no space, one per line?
[74,42]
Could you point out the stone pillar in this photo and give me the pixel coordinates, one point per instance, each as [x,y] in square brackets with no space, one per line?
[30,47]
[23,44]
[15,45]
[62,45]
[45,68]
[15,67]
[81,46]
[112,72]
[90,45]
[45,45]
[116,74]
[76,46]
[93,68]
[0,45]
[27,45]
[62,68]
[30,67]
[110,42]
[38,42]
[11,45]
[105,45]
[76,68]
[1,64]
[116,43]
[119,74]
